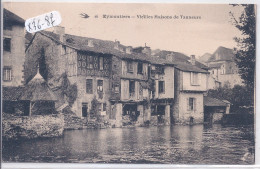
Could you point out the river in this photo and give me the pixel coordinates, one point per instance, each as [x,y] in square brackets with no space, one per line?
[197,144]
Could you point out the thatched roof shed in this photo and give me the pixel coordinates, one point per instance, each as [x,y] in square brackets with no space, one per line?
[38,90]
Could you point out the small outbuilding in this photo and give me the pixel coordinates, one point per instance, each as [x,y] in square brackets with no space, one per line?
[35,98]
[214,109]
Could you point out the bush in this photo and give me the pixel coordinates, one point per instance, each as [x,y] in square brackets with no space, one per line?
[238,96]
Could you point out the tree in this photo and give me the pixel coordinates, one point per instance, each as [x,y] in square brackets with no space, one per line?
[43,65]
[245,54]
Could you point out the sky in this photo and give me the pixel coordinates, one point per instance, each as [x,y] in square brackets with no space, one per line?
[188,36]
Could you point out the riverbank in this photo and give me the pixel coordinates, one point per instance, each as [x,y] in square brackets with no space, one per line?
[29,127]
[197,144]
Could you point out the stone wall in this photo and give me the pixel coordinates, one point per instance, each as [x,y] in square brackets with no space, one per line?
[28,127]
[72,122]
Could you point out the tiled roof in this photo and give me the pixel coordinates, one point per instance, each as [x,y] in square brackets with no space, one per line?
[11,18]
[180,58]
[215,65]
[12,93]
[209,101]
[189,68]
[222,54]
[102,46]
[38,90]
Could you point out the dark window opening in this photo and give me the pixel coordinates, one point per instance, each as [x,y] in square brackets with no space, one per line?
[89,86]
[7,44]
[104,107]
[140,68]
[131,88]
[161,87]
[84,109]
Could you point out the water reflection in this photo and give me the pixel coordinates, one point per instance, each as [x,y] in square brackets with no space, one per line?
[196,144]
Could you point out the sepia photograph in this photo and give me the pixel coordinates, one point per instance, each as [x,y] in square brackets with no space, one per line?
[128,83]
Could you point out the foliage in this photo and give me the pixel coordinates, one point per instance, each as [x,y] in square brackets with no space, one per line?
[69,90]
[43,66]
[94,107]
[238,96]
[245,55]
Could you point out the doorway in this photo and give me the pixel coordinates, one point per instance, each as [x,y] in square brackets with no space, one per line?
[84,109]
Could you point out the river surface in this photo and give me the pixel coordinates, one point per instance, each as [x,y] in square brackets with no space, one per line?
[196,144]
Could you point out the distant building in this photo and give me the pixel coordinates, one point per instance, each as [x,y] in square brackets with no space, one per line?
[13,49]
[222,68]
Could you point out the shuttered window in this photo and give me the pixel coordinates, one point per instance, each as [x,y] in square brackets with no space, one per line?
[89,86]
[195,78]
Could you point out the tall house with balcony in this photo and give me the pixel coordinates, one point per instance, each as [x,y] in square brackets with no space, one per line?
[13,49]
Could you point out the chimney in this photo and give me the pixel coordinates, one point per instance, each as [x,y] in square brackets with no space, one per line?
[129,49]
[169,57]
[146,50]
[90,43]
[60,31]
[117,43]
[192,59]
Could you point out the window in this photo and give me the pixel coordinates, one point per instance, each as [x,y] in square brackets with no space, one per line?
[7,44]
[195,78]
[7,74]
[100,85]
[131,88]
[90,62]
[116,88]
[89,86]
[140,89]
[161,87]
[101,63]
[140,68]
[84,109]
[191,103]
[130,67]
[104,107]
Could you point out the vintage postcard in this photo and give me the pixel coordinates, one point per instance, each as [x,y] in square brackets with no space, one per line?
[128,83]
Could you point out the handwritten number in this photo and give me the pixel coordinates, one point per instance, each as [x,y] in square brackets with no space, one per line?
[38,25]
[52,21]
[47,19]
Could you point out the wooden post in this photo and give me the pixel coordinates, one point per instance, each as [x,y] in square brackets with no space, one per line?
[30,109]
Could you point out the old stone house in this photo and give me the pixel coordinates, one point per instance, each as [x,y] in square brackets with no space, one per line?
[116,76]
[13,49]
